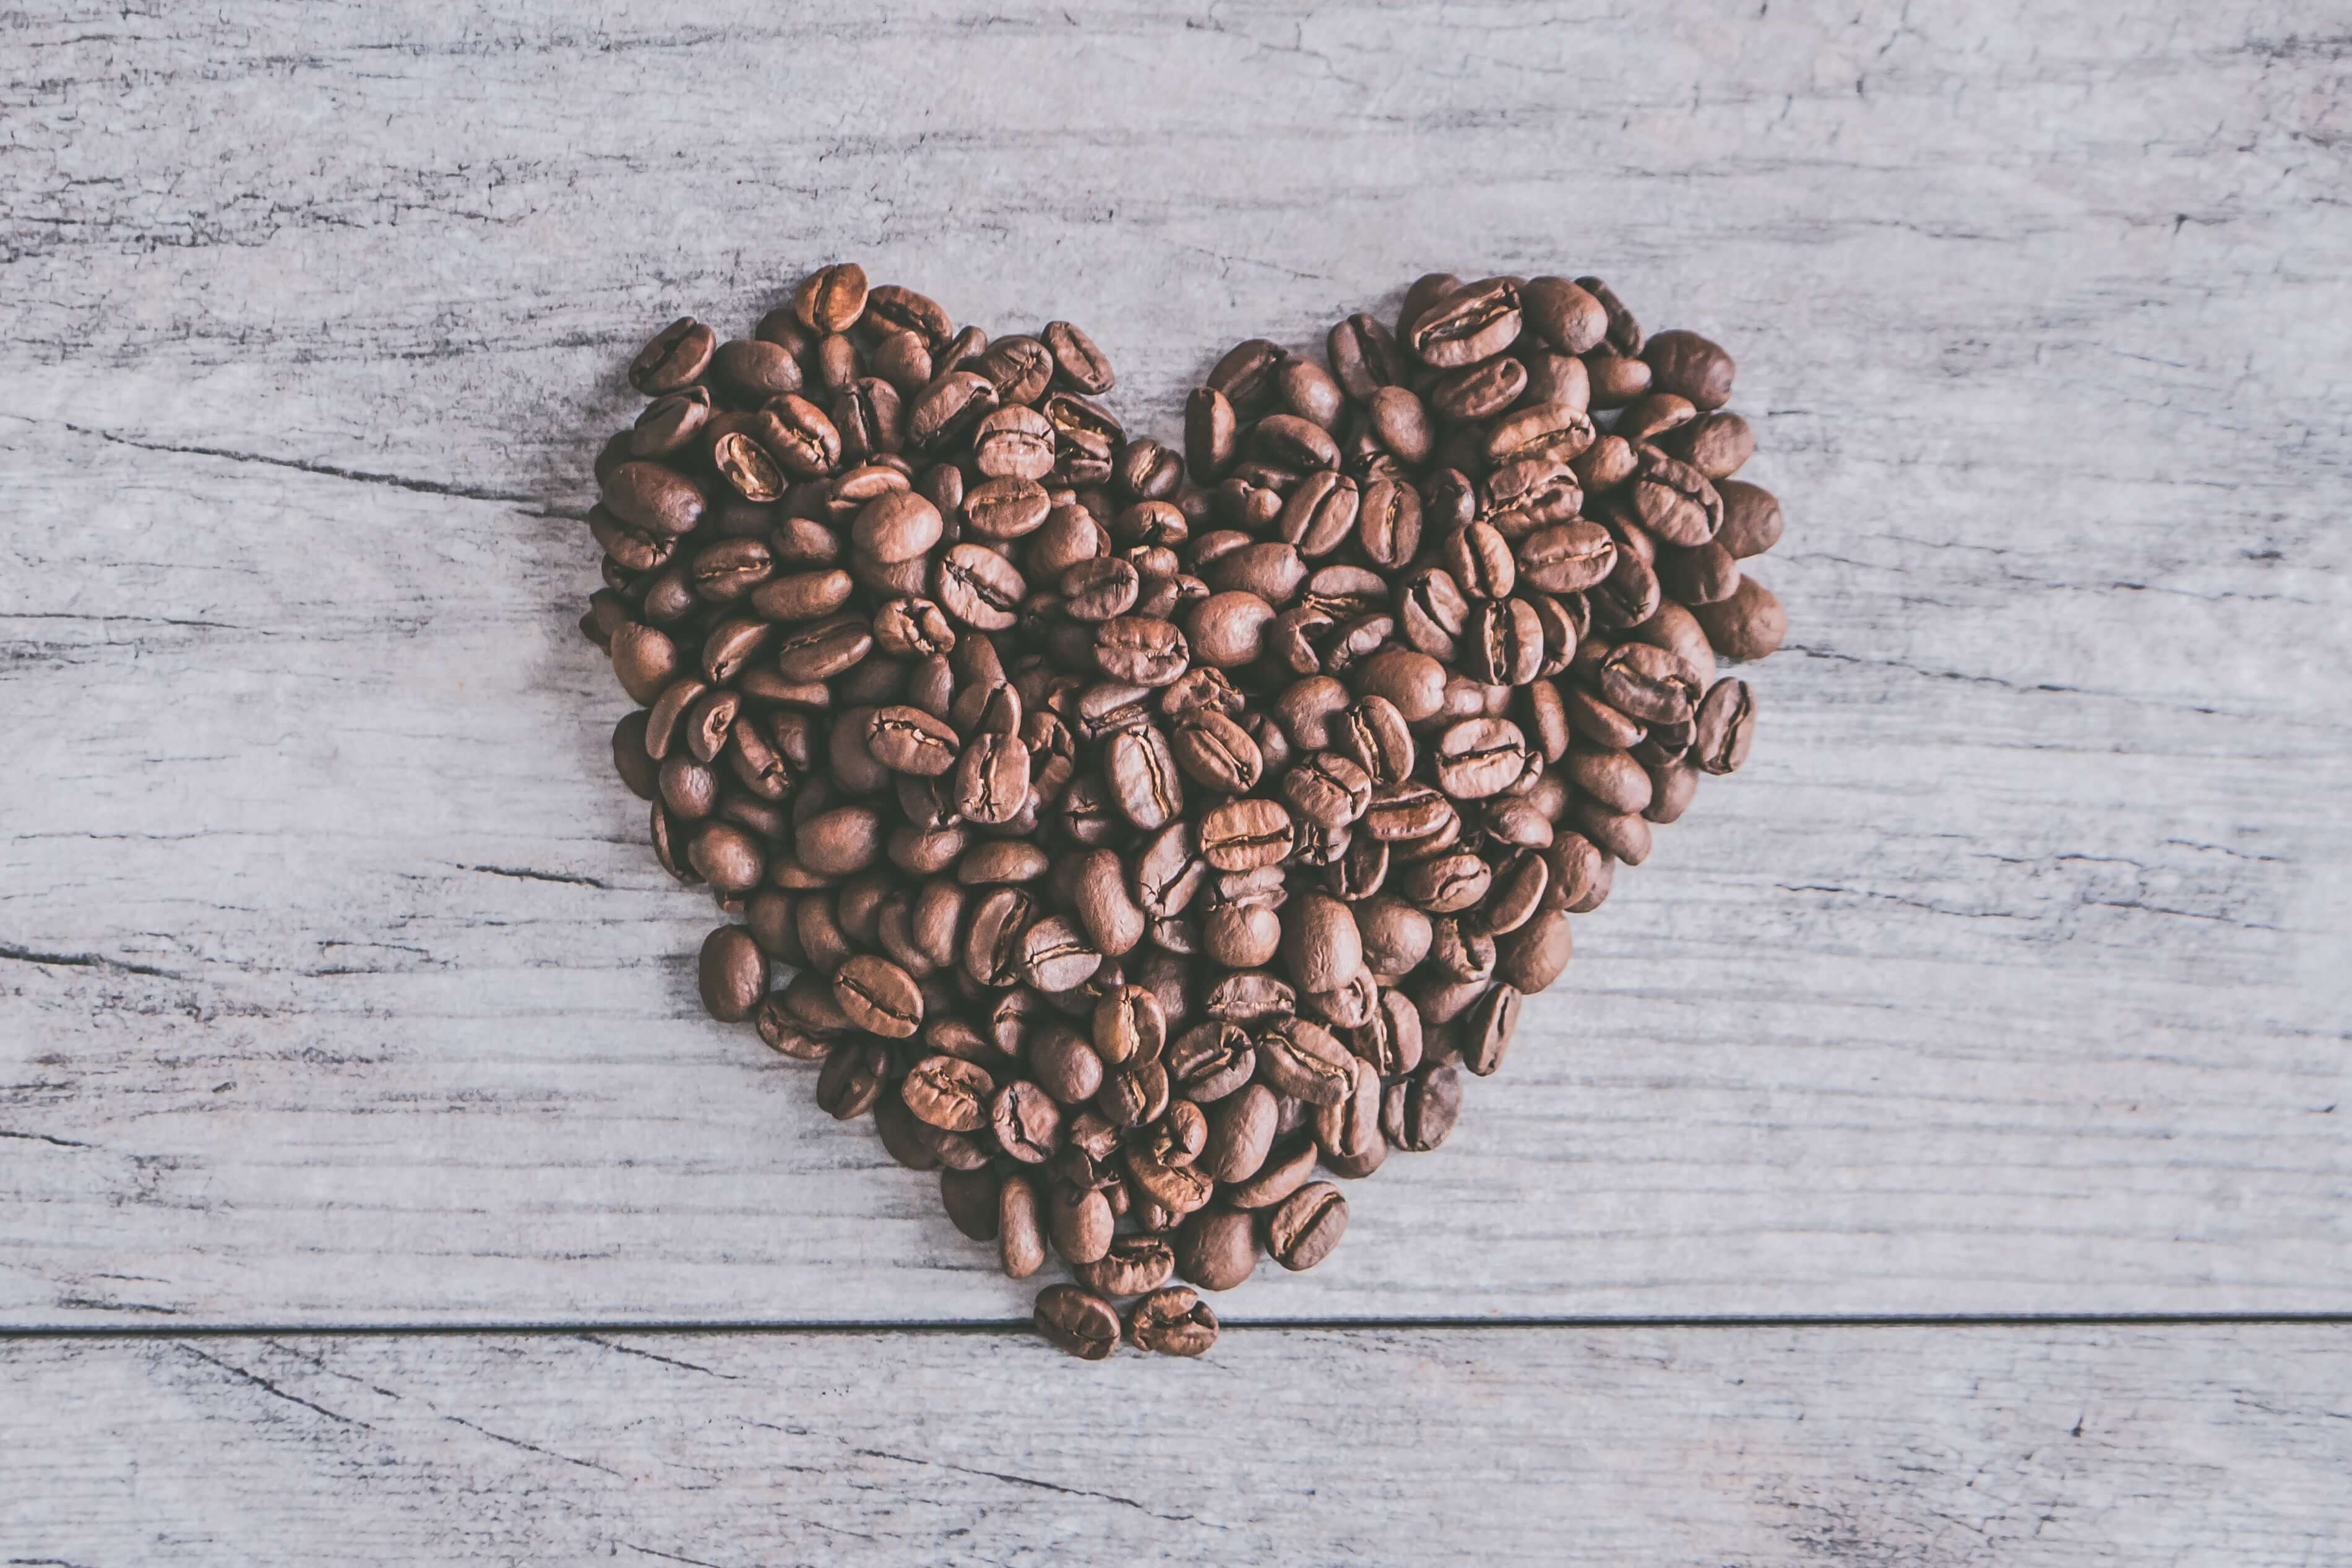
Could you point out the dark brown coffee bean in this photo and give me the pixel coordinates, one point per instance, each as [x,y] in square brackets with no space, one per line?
[1480,757]
[1649,684]
[1350,1128]
[1054,957]
[1406,812]
[1026,1120]
[1143,650]
[1690,366]
[1128,1266]
[831,299]
[1727,722]
[1564,314]
[675,358]
[979,588]
[1488,1028]
[1419,1113]
[1218,753]
[1021,1228]
[947,1093]
[1129,1026]
[1078,363]
[1080,1222]
[880,998]
[911,741]
[1477,391]
[1099,589]
[852,1079]
[970,1199]
[1321,946]
[733,973]
[1532,957]
[1748,625]
[1363,356]
[1134,1095]
[1174,1321]
[1306,1226]
[1241,834]
[1412,683]
[1211,1061]
[1468,325]
[1569,557]
[1228,630]
[1302,1059]
[670,422]
[1751,518]
[1217,1248]
[1503,645]
[1245,374]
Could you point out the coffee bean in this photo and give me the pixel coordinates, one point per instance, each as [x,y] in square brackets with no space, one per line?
[733,973]
[1748,625]
[852,1079]
[1020,1228]
[1303,1060]
[1306,1227]
[1468,325]
[1174,1321]
[1217,1248]
[880,998]
[1727,720]
[1026,1120]
[674,358]
[947,1092]
[1419,1113]
[1690,366]
[1649,684]
[1241,835]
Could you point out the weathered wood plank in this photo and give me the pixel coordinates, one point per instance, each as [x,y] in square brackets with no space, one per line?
[2008,977]
[1755,1446]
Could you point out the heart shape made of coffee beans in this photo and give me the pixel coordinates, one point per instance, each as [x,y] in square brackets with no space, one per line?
[1146,830]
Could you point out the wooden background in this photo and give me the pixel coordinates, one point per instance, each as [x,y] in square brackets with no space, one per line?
[372,1189]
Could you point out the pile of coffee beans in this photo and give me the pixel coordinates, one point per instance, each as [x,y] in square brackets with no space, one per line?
[1153,834]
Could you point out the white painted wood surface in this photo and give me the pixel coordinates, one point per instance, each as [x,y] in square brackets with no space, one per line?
[2213,1447]
[2012,976]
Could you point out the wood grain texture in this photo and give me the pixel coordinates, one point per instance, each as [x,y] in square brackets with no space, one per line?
[2011,975]
[1758,1448]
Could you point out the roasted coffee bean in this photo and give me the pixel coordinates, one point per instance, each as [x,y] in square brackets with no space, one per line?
[1468,325]
[674,359]
[1217,1248]
[1748,625]
[1026,1121]
[1302,1059]
[979,588]
[733,973]
[1727,720]
[970,1198]
[1172,1322]
[1241,835]
[879,997]
[852,1079]
[1021,1228]
[1649,684]
[1306,1226]
[948,1092]
[1418,1113]
[1129,1026]
[1690,366]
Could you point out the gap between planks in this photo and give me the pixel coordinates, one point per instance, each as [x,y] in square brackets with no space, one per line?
[834,1329]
